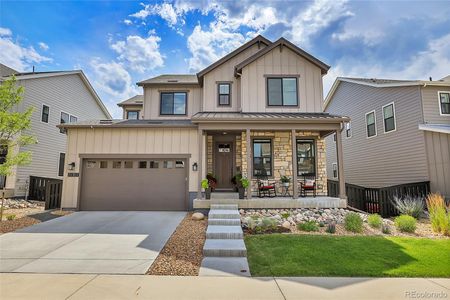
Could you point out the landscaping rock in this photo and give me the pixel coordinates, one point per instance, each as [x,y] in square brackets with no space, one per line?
[286,224]
[198,216]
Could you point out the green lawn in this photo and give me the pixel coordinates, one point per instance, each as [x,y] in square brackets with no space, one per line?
[319,255]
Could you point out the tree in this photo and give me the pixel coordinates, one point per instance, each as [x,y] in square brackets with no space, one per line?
[12,127]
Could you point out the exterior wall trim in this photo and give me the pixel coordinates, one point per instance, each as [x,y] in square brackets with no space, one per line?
[186,108]
[439,103]
[365,123]
[42,110]
[395,118]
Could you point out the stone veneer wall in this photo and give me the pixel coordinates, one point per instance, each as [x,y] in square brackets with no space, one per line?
[282,157]
[209,154]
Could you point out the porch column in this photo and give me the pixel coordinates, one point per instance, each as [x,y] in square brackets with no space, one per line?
[249,163]
[200,163]
[340,159]
[294,166]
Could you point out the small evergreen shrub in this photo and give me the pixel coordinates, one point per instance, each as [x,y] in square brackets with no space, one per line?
[285,215]
[321,224]
[386,229]
[406,223]
[409,205]
[268,223]
[10,217]
[331,228]
[308,226]
[353,222]
[375,220]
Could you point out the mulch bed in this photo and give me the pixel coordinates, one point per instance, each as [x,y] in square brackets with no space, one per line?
[13,225]
[183,253]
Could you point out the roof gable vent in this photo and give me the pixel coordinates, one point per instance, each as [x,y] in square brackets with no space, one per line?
[105,121]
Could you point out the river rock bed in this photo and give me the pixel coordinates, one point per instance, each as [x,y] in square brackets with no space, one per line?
[21,203]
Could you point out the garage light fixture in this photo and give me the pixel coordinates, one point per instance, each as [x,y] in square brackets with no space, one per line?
[194,167]
[71,166]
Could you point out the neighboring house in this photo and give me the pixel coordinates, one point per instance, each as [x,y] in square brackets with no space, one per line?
[399,131]
[256,111]
[57,97]
[132,108]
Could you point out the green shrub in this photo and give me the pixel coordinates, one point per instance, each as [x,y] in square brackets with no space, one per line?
[10,217]
[268,223]
[409,205]
[285,215]
[406,223]
[331,228]
[353,222]
[386,229]
[439,217]
[308,226]
[375,220]
[321,224]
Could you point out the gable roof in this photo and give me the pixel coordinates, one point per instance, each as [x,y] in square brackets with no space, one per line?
[282,42]
[258,39]
[6,71]
[170,79]
[135,100]
[380,83]
[35,75]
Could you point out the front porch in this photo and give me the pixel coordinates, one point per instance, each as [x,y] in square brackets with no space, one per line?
[264,148]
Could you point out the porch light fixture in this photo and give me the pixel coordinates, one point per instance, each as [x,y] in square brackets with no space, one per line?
[194,167]
[71,166]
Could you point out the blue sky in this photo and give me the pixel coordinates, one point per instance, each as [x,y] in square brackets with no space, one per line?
[118,43]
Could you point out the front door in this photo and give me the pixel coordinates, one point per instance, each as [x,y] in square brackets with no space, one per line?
[224,155]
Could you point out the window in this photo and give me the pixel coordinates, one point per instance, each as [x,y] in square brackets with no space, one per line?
[103,164]
[65,118]
[348,130]
[306,158]
[168,164]
[45,113]
[444,103]
[154,164]
[371,124]
[133,115]
[224,90]
[73,119]
[262,158]
[142,164]
[282,91]
[173,103]
[117,164]
[62,159]
[389,117]
[335,170]
[179,164]
[128,164]
[334,137]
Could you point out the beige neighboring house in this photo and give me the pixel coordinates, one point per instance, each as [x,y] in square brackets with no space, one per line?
[57,97]
[399,132]
[132,108]
[257,112]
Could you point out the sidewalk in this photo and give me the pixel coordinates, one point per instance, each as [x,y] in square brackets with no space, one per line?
[74,286]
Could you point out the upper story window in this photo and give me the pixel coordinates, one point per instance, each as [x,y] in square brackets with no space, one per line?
[371,124]
[348,130]
[282,91]
[444,103]
[45,113]
[173,103]
[224,90]
[262,158]
[66,118]
[133,115]
[389,117]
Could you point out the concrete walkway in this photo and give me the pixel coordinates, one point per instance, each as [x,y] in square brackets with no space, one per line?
[73,286]
[119,242]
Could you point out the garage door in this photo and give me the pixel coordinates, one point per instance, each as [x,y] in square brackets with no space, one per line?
[134,184]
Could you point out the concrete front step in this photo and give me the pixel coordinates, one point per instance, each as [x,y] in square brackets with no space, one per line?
[224,222]
[224,201]
[224,206]
[224,266]
[215,195]
[224,214]
[224,248]
[224,232]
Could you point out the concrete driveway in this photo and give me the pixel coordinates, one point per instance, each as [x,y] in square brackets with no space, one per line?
[89,242]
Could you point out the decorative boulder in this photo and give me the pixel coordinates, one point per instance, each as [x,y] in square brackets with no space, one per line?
[198,216]
[286,224]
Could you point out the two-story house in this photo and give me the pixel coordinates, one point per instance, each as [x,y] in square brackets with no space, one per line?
[57,97]
[256,112]
[399,132]
[132,108]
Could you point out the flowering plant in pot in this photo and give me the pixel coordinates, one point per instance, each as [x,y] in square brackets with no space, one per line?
[243,184]
[285,181]
[207,188]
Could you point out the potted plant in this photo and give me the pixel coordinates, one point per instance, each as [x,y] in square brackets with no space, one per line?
[212,181]
[207,188]
[236,181]
[285,181]
[243,184]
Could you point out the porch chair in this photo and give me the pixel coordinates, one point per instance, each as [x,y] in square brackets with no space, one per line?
[266,188]
[308,185]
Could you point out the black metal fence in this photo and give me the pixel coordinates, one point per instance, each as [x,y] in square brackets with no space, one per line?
[46,189]
[378,200]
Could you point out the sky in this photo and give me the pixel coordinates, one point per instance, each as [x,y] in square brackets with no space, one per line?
[118,43]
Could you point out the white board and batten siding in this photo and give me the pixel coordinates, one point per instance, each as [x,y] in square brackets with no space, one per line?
[386,159]
[67,94]
[285,62]
[128,141]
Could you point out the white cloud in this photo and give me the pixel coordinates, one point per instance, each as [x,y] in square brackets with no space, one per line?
[43,46]
[140,54]
[127,22]
[165,10]
[15,55]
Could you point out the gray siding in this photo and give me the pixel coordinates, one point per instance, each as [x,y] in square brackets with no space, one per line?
[388,158]
[438,154]
[430,105]
[66,93]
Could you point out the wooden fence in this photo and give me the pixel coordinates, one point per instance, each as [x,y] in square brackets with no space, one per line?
[378,200]
[46,189]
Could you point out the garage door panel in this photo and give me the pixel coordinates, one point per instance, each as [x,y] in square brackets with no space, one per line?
[134,185]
